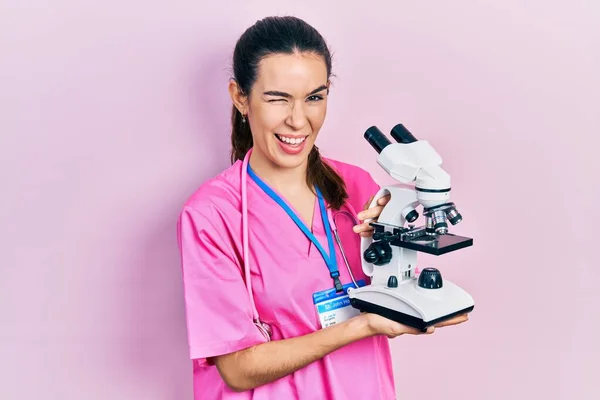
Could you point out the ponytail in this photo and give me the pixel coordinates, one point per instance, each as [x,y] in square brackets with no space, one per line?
[323,176]
[241,136]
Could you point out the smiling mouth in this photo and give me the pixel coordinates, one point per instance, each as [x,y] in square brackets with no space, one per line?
[291,141]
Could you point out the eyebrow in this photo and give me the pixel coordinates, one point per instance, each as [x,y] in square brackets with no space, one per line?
[287,95]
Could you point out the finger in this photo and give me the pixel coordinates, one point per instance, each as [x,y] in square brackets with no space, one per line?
[453,321]
[371,213]
[428,331]
[366,227]
[368,203]
[460,318]
[362,227]
[384,200]
[449,322]
[381,201]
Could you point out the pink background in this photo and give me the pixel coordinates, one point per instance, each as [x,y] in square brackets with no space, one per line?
[112,114]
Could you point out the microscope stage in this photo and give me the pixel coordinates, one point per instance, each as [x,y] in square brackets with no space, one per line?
[435,244]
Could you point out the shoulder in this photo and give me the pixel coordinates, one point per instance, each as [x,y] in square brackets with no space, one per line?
[349,172]
[354,177]
[360,185]
[220,194]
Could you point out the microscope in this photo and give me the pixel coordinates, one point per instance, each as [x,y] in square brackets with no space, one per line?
[389,257]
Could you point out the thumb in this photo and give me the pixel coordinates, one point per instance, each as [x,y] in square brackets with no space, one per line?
[382,201]
[368,203]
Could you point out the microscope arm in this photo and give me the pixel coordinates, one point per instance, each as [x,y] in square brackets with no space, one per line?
[399,210]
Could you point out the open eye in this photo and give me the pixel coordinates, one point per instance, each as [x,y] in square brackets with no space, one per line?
[315,97]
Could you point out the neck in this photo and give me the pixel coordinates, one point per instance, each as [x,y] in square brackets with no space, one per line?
[285,180]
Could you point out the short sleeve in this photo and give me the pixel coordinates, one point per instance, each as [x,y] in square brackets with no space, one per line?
[362,187]
[370,187]
[218,309]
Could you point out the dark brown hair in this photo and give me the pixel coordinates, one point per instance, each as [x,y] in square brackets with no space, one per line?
[281,35]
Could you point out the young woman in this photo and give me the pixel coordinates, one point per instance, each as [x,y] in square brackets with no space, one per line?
[269,342]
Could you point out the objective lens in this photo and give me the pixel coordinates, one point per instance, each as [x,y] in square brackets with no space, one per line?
[439,222]
[429,229]
[453,216]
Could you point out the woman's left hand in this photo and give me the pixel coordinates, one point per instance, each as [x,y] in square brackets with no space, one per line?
[364,229]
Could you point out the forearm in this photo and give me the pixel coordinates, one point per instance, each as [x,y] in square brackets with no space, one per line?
[265,363]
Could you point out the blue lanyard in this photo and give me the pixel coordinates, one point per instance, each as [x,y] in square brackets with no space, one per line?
[330,260]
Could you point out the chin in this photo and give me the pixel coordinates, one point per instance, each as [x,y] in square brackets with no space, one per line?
[291,162]
[291,158]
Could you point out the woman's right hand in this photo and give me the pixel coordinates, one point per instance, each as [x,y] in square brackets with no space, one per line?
[260,364]
[379,325]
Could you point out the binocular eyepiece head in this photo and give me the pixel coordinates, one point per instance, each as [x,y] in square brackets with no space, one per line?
[379,141]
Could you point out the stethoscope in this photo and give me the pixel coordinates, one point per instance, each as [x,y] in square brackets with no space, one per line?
[264,328]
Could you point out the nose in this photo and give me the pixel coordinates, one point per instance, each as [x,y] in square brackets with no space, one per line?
[297,118]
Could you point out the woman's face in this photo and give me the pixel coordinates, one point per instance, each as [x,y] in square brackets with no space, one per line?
[287,106]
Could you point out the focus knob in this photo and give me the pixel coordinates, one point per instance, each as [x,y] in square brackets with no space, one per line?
[430,278]
[412,216]
[392,282]
[378,253]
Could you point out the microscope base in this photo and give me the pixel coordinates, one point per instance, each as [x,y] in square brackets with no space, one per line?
[412,305]
[402,318]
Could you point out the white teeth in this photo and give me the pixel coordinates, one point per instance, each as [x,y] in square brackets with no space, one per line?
[294,141]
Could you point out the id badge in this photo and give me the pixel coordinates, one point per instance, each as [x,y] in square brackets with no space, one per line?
[333,307]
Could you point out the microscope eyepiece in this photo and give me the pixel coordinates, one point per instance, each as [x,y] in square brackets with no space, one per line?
[377,139]
[402,135]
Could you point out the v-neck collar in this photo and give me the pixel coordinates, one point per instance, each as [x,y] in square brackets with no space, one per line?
[317,227]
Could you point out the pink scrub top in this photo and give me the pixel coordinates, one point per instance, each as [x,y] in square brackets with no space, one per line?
[286,269]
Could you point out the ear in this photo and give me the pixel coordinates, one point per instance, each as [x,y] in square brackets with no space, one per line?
[237,97]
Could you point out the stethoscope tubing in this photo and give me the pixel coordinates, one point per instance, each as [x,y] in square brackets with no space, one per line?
[246,261]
